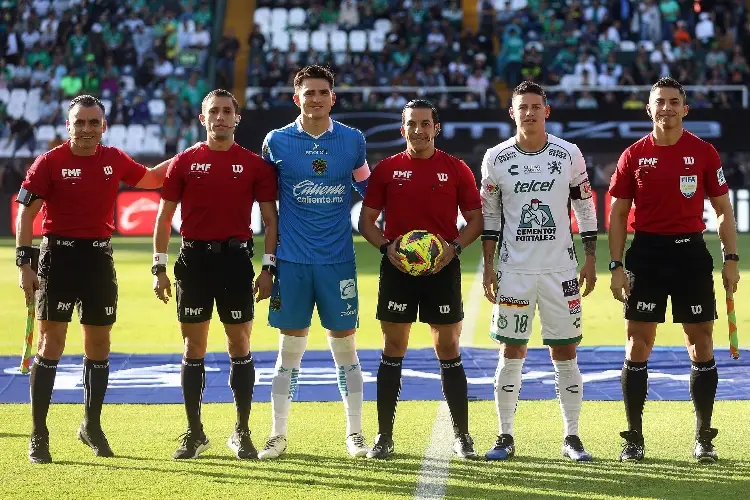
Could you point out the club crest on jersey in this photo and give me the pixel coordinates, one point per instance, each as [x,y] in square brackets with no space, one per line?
[493,188]
[555,167]
[537,223]
[688,185]
[319,166]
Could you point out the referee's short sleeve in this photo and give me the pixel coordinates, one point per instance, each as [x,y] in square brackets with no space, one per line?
[714,180]
[622,186]
[376,188]
[174,181]
[38,179]
[468,193]
[265,184]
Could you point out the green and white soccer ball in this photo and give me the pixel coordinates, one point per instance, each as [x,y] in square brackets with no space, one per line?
[419,251]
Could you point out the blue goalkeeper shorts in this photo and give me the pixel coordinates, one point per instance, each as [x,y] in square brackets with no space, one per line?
[299,287]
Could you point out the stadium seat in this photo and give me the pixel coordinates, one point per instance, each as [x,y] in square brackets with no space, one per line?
[116,136]
[128,83]
[647,44]
[45,133]
[570,81]
[134,139]
[339,41]
[262,17]
[358,41]
[301,40]
[279,18]
[156,108]
[383,26]
[297,17]
[152,142]
[376,40]
[280,40]
[107,106]
[18,97]
[4,95]
[250,93]
[628,46]
[62,131]
[319,41]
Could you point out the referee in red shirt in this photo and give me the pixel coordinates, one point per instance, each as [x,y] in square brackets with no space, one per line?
[216,182]
[421,188]
[667,174]
[75,186]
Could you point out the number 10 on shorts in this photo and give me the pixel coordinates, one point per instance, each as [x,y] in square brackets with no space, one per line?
[519,322]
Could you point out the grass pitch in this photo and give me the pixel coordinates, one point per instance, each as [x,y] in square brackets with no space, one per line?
[317,466]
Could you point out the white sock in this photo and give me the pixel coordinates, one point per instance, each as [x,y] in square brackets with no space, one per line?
[569,388]
[507,388]
[351,384]
[284,382]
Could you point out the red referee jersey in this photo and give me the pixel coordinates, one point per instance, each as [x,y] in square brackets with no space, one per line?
[422,193]
[79,191]
[217,190]
[669,183]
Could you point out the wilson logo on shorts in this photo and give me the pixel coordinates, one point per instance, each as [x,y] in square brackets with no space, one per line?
[537,223]
[319,166]
[574,306]
[511,302]
[275,303]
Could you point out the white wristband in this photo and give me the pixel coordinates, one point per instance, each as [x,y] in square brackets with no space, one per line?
[269,259]
[160,258]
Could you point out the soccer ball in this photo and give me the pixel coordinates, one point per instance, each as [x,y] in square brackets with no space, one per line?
[419,250]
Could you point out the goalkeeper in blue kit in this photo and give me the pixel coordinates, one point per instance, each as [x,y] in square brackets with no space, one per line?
[317,161]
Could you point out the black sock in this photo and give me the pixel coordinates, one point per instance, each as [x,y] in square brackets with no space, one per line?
[242,382]
[193,382]
[456,392]
[41,383]
[634,389]
[389,387]
[704,377]
[95,380]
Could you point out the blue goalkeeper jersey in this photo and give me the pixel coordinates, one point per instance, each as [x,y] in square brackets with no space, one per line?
[315,191]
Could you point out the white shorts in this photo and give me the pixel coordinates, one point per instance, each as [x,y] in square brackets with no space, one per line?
[559,300]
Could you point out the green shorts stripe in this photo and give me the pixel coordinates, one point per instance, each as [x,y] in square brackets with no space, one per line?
[562,341]
[508,340]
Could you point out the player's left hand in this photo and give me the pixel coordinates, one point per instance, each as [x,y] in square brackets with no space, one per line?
[730,275]
[446,256]
[588,275]
[263,286]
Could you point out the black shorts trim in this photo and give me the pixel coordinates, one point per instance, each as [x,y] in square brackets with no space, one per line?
[676,266]
[436,297]
[77,273]
[203,276]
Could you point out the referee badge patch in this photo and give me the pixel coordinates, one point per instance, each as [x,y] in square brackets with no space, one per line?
[688,185]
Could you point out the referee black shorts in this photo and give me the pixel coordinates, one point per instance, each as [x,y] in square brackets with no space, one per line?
[77,273]
[437,297]
[208,271]
[678,266]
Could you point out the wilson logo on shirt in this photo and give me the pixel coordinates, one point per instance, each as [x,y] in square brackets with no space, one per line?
[688,185]
[442,177]
[689,160]
[319,166]
[108,170]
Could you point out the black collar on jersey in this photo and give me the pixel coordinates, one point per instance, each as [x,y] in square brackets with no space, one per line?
[529,153]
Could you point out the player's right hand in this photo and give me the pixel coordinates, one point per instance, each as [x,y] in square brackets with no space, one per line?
[489,282]
[393,256]
[28,281]
[620,285]
[162,287]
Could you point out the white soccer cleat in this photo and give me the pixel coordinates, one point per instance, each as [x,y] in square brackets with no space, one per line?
[274,448]
[357,445]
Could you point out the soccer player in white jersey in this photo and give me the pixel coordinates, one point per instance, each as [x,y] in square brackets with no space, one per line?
[528,184]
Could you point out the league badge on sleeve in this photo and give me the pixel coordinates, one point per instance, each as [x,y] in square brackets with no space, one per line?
[720,176]
[688,185]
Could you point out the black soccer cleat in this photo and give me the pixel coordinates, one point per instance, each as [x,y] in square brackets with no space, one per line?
[383,447]
[193,444]
[241,444]
[504,448]
[573,449]
[463,447]
[96,440]
[704,450]
[633,450]
[39,448]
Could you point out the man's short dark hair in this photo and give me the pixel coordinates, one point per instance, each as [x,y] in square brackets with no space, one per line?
[87,101]
[221,93]
[668,82]
[313,71]
[420,104]
[528,87]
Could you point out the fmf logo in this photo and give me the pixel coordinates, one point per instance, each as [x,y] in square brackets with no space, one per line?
[402,174]
[392,306]
[646,306]
[68,173]
[193,311]
[63,306]
[647,161]
[200,167]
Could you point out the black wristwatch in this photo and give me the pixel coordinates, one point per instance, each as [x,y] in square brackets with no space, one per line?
[457,246]
[158,268]
[614,265]
[268,267]
[384,247]
[731,256]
